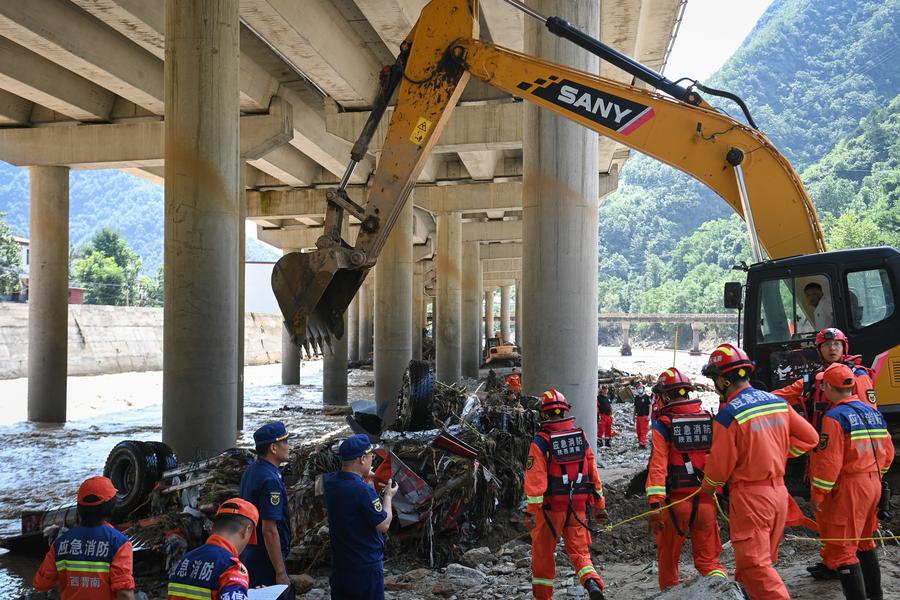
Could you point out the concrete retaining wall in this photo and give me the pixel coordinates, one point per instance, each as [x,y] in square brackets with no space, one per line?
[118,339]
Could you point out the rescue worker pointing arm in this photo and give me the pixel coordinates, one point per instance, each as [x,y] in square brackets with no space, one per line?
[561,485]
[681,439]
[753,434]
[854,450]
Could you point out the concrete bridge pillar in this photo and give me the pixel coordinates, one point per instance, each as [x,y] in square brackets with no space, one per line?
[560,203]
[471,309]
[290,352]
[290,359]
[518,313]
[488,313]
[364,298]
[449,297]
[353,329]
[504,313]
[695,329]
[418,308]
[334,362]
[48,293]
[625,350]
[202,187]
[393,311]
[334,371]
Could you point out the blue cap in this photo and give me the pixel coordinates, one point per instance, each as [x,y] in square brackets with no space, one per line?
[355,446]
[270,433]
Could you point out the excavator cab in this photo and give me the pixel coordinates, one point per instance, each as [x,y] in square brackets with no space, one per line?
[788,301]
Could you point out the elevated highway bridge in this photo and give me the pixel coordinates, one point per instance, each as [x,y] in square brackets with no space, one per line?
[247,109]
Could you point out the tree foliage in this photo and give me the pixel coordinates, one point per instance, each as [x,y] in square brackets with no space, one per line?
[10,260]
[820,80]
[110,270]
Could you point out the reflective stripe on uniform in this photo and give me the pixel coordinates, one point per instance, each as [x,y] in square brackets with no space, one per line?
[656,490]
[869,434]
[713,483]
[183,590]
[795,452]
[83,566]
[822,484]
[585,570]
[717,573]
[760,411]
[544,582]
[534,499]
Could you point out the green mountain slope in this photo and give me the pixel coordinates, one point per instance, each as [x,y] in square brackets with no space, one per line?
[111,198]
[810,71]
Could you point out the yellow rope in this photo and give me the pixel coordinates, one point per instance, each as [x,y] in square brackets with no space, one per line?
[877,538]
[650,512]
[719,506]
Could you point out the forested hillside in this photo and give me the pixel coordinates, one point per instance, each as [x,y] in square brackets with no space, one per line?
[107,198]
[820,77]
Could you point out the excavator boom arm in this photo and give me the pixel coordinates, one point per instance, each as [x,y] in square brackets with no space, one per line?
[314,289]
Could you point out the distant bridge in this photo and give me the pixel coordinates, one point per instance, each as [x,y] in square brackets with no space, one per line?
[696,321]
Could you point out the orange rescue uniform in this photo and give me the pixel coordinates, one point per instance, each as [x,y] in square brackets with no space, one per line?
[551,514]
[806,396]
[753,434]
[854,450]
[670,479]
[514,382]
[87,563]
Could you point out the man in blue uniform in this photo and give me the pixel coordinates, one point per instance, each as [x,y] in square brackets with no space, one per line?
[357,519]
[263,486]
[213,570]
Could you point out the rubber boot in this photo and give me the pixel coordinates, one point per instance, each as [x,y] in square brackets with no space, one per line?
[852,582]
[820,571]
[593,589]
[871,571]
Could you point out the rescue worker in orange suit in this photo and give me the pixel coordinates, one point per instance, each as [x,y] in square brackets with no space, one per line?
[807,398]
[805,394]
[562,485]
[92,561]
[680,440]
[514,383]
[642,405]
[604,416]
[214,570]
[854,451]
[753,434]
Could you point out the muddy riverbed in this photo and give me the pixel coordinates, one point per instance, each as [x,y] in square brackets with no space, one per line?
[43,465]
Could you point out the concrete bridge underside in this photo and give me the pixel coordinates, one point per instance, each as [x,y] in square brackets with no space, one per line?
[247,109]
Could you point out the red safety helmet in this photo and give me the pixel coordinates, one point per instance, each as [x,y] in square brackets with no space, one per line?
[554,401]
[832,333]
[725,359]
[671,380]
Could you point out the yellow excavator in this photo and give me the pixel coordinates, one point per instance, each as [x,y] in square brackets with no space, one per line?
[671,123]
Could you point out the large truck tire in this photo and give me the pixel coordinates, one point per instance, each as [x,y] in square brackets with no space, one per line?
[166,460]
[414,404]
[134,469]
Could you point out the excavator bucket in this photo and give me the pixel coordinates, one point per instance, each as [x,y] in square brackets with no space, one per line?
[313,292]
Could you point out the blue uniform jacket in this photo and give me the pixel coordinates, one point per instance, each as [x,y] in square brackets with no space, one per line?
[354,510]
[210,572]
[262,485]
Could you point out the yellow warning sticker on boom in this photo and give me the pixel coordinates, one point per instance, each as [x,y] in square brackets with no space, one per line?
[420,131]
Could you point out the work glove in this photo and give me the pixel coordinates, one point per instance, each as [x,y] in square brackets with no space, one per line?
[656,522]
[601,516]
[528,521]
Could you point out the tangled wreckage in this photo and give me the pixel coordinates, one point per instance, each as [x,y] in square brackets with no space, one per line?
[457,457]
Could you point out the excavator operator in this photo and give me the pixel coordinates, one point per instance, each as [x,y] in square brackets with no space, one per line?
[561,485]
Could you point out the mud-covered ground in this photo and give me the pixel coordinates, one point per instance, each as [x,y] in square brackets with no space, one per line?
[42,466]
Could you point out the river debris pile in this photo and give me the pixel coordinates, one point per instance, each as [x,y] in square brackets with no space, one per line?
[455,481]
